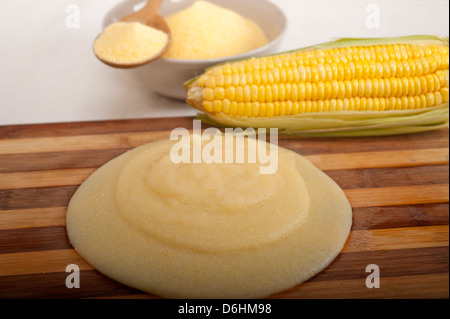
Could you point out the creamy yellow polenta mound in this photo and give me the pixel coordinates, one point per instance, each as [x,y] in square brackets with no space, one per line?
[208,230]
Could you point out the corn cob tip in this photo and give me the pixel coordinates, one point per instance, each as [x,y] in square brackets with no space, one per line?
[194,96]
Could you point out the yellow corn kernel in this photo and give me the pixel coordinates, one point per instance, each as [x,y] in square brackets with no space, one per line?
[382,104]
[247,94]
[220,80]
[295,108]
[239,94]
[231,93]
[269,109]
[261,94]
[219,93]
[430,99]
[423,101]
[430,82]
[314,94]
[417,102]
[288,91]
[308,91]
[362,88]
[411,103]
[233,108]
[437,98]
[262,109]
[248,109]
[254,93]
[226,106]
[208,94]
[228,81]
[241,108]
[208,106]
[256,77]
[444,94]
[399,87]
[202,80]
[217,106]
[211,82]
[268,91]
[275,96]
[281,92]
[289,105]
[432,63]
[282,108]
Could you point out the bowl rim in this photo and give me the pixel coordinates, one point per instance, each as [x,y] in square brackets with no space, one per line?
[235,57]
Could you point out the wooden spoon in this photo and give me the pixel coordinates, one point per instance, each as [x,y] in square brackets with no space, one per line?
[149,15]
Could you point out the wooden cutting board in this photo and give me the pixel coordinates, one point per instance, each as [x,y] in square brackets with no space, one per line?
[398,188]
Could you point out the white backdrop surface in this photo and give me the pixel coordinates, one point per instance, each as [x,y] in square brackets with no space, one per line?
[48,72]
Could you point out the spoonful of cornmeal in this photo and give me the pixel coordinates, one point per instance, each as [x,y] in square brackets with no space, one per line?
[134,40]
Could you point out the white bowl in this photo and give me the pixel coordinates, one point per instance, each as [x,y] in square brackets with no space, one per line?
[167,76]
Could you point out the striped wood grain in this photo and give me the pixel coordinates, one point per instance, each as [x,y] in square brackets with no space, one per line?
[398,188]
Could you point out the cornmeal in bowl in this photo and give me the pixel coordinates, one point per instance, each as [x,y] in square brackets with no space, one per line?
[208,31]
[198,230]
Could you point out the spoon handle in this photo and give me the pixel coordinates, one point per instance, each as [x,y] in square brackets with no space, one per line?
[152,6]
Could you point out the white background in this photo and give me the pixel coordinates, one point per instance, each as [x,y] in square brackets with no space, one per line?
[48,72]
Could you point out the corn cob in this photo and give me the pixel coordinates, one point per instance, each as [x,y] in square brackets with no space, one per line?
[346,87]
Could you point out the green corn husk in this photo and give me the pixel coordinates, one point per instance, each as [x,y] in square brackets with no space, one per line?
[348,123]
[343,123]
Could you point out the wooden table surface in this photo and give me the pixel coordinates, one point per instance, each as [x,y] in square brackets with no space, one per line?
[397,186]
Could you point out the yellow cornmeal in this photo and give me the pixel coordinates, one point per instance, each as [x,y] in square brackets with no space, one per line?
[129,42]
[205,31]
[208,230]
